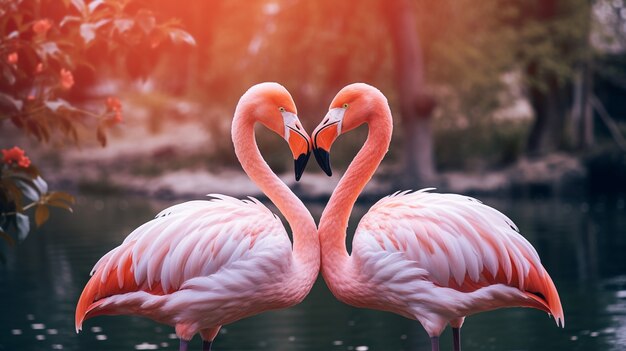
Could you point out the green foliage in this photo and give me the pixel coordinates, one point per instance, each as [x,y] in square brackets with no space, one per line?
[42,46]
[467,47]
[552,38]
[22,188]
[38,56]
[479,145]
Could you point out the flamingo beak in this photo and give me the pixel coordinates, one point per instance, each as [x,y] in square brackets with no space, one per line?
[301,150]
[300,164]
[323,159]
[299,143]
[323,138]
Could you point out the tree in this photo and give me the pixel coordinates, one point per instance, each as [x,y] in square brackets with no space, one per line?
[416,105]
[37,57]
[553,48]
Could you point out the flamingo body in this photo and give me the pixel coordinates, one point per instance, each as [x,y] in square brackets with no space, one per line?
[435,258]
[202,264]
[185,266]
[439,257]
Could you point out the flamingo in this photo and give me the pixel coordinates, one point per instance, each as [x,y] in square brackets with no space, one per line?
[202,264]
[435,258]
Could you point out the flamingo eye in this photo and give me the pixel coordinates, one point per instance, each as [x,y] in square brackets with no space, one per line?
[281,109]
[345,105]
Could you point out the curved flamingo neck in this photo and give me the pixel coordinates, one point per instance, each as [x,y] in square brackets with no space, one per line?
[334,220]
[305,243]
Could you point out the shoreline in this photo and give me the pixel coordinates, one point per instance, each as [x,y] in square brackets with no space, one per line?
[556,174]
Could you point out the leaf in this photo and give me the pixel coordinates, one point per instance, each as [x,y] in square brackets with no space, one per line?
[22,225]
[14,192]
[41,185]
[29,178]
[69,19]
[17,122]
[88,32]
[62,196]
[123,25]
[42,213]
[60,204]
[8,75]
[33,173]
[39,129]
[6,237]
[102,138]
[29,189]
[146,21]
[60,199]
[48,48]
[17,104]
[94,5]
[80,6]
[101,23]
[180,36]
[68,128]
[56,105]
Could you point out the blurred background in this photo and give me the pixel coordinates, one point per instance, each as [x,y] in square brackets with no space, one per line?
[518,103]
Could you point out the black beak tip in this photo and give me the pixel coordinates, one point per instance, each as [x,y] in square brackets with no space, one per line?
[300,164]
[323,159]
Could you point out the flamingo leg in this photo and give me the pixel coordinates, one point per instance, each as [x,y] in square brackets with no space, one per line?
[206,345]
[434,343]
[184,345]
[456,337]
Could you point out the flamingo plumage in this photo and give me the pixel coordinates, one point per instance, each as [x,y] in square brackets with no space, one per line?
[435,258]
[202,264]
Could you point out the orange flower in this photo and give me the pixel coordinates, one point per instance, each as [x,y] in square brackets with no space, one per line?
[42,26]
[12,58]
[15,156]
[67,79]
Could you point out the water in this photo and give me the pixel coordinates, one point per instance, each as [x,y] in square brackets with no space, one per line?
[583,246]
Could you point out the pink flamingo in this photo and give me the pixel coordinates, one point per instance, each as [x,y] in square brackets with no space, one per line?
[435,258]
[202,264]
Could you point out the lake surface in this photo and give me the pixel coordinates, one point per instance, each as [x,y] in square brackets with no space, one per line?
[582,244]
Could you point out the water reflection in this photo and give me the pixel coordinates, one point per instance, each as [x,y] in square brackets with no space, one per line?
[581,244]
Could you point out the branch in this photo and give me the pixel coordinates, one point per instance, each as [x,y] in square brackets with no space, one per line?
[610,123]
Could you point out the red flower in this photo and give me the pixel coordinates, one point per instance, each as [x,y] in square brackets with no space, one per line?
[114,105]
[67,79]
[42,26]
[15,156]
[12,58]
[118,117]
[39,68]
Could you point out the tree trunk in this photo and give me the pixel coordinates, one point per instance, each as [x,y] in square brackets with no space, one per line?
[581,130]
[550,106]
[415,104]
[555,127]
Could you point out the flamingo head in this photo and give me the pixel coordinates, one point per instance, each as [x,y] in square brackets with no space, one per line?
[354,105]
[272,106]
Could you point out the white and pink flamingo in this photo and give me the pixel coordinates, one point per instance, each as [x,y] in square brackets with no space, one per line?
[202,264]
[435,258]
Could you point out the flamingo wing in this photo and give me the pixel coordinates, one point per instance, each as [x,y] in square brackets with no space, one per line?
[188,244]
[457,241]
